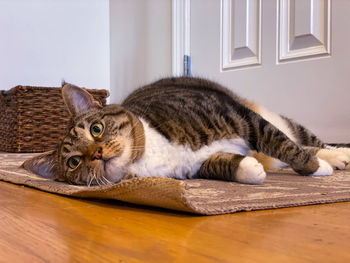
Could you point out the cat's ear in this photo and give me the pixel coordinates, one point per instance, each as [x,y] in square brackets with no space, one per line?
[43,164]
[78,100]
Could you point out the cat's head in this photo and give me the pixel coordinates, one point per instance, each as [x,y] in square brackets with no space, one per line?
[100,144]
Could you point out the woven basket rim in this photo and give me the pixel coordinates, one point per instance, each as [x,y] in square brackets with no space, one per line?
[34,113]
[17,88]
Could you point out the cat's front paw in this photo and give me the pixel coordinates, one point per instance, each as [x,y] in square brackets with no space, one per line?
[335,157]
[324,168]
[250,171]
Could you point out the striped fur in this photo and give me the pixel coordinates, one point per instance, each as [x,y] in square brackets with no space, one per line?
[181,128]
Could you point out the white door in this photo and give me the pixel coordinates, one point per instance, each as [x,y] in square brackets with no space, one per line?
[291,56]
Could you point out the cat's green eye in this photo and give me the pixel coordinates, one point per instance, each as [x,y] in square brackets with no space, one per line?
[96,129]
[73,162]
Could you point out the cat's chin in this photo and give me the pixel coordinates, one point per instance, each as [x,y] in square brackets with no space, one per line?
[114,171]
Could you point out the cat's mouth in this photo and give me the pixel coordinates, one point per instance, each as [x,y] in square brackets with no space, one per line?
[114,169]
[112,165]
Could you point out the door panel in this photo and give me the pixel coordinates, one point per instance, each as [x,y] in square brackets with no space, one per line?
[290,55]
[241,32]
[304,29]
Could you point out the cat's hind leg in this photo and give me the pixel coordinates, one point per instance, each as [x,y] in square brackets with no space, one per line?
[233,167]
[338,159]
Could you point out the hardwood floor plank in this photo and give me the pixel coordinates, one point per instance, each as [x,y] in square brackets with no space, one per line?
[40,227]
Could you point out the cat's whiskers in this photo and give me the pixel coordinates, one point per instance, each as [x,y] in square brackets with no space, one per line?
[146,109]
[160,125]
[93,176]
[90,178]
[90,181]
[107,182]
[98,181]
[138,137]
[131,130]
[137,147]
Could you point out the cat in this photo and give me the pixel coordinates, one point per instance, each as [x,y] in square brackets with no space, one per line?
[183,128]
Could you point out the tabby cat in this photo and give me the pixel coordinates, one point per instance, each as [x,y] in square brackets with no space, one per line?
[181,128]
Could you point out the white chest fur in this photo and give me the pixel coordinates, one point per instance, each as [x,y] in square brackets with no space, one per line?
[165,159]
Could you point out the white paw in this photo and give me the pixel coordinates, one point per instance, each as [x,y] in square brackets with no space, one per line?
[250,171]
[324,169]
[345,151]
[335,157]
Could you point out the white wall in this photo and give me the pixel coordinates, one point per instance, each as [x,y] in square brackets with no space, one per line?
[43,41]
[140,32]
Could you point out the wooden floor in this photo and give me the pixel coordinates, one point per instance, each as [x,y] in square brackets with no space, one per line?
[41,227]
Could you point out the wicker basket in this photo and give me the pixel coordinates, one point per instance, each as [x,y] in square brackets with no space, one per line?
[33,119]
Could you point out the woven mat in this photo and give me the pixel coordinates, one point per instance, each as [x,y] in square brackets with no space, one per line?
[207,197]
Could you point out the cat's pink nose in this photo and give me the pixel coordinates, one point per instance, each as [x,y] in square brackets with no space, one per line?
[97,155]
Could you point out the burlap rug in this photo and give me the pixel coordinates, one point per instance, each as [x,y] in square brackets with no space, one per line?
[207,197]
